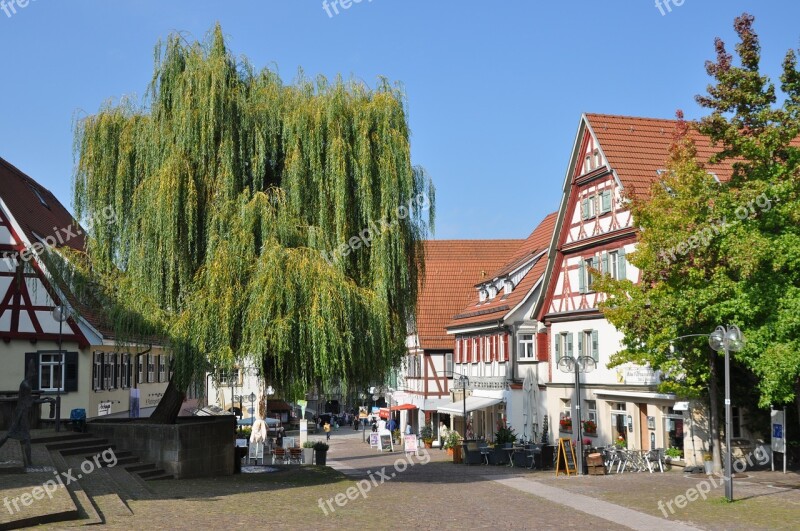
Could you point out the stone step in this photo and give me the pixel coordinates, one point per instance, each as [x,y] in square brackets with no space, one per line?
[160,477]
[76,443]
[139,467]
[87,511]
[149,474]
[127,460]
[104,492]
[89,451]
[54,437]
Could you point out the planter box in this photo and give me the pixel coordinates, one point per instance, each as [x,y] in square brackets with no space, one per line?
[308,456]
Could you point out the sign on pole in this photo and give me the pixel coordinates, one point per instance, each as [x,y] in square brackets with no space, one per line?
[778,423]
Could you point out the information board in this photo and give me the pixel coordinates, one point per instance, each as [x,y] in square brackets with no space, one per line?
[386,442]
[410,444]
[566,457]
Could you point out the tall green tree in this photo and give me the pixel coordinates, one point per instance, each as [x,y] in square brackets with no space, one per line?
[258,220]
[716,253]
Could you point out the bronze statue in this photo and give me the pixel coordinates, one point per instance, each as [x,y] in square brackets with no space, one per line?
[20,427]
[20,423]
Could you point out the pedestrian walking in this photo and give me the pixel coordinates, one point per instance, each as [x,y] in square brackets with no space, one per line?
[327,429]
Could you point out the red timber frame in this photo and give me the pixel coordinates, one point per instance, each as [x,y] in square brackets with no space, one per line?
[17,299]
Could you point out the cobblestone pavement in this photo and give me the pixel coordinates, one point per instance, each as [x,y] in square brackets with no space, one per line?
[433,493]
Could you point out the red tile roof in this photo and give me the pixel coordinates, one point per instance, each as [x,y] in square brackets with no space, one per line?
[452,268]
[21,195]
[475,312]
[40,215]
[638,147]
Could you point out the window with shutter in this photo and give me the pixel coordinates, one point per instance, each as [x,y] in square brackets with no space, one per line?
[557,340]
[605,201]
[71,372]
[97,371]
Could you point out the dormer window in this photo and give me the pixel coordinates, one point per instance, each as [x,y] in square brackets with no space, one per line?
[492,292]
[40,197]
[508,287]
[482,294]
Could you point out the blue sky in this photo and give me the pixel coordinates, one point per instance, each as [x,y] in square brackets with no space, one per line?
[495,89]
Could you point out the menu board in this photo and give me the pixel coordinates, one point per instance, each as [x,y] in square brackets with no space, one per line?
[386,442]
[410,443]
[566,457]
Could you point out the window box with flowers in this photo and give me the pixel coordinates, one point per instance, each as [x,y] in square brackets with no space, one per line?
[590,428]
[565,424]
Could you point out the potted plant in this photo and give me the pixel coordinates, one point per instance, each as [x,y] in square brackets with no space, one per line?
[504,437]
[396,436]
[589,427]
[426,434]
[453,446]
[565,424]
[308,452]
[321,452]
[621,442]
[708,462]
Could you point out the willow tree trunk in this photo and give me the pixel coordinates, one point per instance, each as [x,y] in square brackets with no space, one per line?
[713,417]
[169,406]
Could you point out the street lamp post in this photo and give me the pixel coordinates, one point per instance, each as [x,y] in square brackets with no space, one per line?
[252,408]
[267,392]
[60,314]
[727,340]
[464,381]
[577,365]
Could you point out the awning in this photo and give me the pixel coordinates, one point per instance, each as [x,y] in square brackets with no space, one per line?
[384,411]
[634,394]
[473,403]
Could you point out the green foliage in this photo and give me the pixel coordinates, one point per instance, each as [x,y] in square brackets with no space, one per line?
[712,254]
[452,440]
[308,444]
[320,446]
[505,435]
[227,187]
[672,452]
[426,433]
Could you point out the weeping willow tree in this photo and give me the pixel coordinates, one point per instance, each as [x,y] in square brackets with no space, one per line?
[231,189]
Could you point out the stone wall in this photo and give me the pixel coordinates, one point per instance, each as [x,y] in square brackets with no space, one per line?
[193,447]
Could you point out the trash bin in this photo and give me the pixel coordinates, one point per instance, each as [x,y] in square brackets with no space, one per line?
[78,419]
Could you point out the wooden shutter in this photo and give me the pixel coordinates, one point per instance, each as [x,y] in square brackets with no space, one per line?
[70,372]
[585,209]
[506,353]
[621,265]
[606,201]
[557,339]
[541,346]
[582,276]
[569,352]
[580,343]
[604,268]
[595,346]
[32,357]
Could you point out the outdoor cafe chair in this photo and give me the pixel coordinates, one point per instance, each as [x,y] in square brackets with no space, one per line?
[653,458]
[483,447]
[296,456]
[279,455]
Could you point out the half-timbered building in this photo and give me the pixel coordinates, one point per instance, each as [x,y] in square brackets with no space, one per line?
[452,268]
[498,343]
[89,370]
[614,158]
